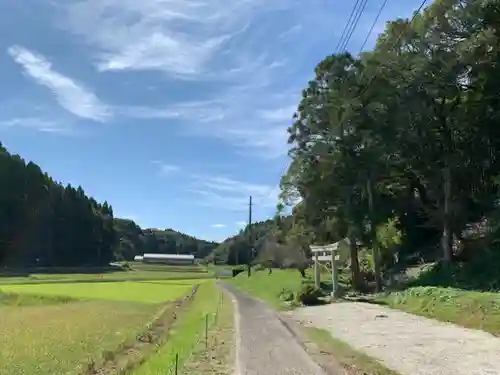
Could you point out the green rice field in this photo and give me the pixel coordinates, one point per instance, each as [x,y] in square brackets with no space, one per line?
[64,323]
[137,272]
[146,292]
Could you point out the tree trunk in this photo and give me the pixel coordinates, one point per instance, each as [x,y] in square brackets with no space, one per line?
[355,273]
[373,235]
[447,236]
[353,249]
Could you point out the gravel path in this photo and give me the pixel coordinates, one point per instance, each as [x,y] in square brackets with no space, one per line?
[409,344]
[264,346]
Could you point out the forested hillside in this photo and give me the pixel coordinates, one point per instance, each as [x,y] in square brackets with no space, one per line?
[132,240]
[43,223]
[397,149]
[237,249]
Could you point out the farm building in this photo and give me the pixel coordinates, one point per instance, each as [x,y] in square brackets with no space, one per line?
[138,258]
[168,258]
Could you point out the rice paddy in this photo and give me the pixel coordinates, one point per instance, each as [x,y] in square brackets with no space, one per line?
[146,292]
[62,338]
[73,325]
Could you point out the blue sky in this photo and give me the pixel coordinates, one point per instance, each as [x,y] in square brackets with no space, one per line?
[175,111]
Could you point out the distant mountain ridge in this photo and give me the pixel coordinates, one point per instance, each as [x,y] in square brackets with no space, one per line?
[133,240]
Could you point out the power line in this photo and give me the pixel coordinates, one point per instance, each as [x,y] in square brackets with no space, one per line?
[372,79]
[355,23]
[354,9]
[373,25]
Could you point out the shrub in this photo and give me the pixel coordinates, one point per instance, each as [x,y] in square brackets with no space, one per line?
[259,267]
[307,282]
[389,239]
[309,295]
[286,295]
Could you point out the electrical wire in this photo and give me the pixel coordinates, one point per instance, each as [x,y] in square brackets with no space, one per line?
[372,79]
[355,24]
[373,25]
[341,40]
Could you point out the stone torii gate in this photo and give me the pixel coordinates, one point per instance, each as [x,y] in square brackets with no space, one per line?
[329,254]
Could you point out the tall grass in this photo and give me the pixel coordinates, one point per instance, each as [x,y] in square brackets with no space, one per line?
[185,334]
[479,310]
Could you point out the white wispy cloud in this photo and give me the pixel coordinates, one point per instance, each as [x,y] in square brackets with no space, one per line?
[254,49]
[164,168]
[292,30]
[39,124]
[71,95]
[227,193]
[253,122]
[240,45]
[199,111]
[218,225]
[178,37]
[282,114]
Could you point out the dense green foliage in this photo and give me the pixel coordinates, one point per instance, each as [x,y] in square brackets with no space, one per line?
[132,240]
[270,243]
[237,249]
[43,223]
[407,133]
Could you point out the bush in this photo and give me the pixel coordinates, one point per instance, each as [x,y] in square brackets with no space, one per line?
[307,282]
[389,239]
[286,295]
[259,267]
[309,295]
[481,273]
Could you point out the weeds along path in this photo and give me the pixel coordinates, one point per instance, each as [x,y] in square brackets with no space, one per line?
[406,343]
[263,345]
[133,353]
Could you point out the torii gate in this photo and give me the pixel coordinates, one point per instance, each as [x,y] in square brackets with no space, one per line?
[329,253]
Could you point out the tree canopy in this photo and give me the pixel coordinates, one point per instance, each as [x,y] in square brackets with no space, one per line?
[408,131]
[43,223]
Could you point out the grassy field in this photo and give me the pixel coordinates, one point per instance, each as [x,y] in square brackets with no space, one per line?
[267,287]
[61,338]
[137,272]
[479,310]
[62,323]
[186,333]
[148,292]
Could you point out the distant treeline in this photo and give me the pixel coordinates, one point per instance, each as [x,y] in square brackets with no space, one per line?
[132,240]
[44,223]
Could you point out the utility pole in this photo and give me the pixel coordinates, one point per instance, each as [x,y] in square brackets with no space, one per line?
[251,255]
